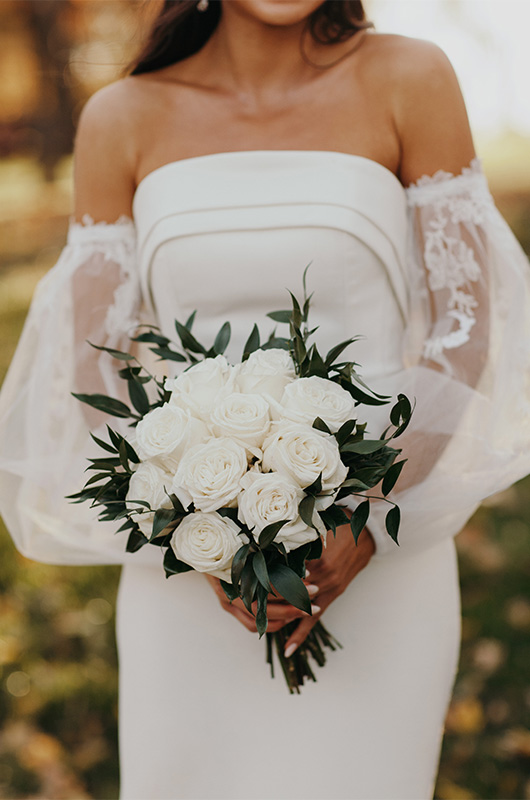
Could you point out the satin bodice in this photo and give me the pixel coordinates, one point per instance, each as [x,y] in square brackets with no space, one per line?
[228,234]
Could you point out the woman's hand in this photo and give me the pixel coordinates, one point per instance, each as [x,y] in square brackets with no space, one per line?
[279,612]
[341,560]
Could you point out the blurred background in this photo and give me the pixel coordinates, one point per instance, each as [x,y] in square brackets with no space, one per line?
[58,702]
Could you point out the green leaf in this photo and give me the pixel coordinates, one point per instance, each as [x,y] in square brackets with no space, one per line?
[315,488]
[389,481]
[260,570]
[248,586]
[177,505]
[189,322]
[222,339]
[320,425]
[316,364]
[138,397]
[119,354]
[365,446]
[252,342]
[392,521]
[335,352]
[359,518]
[276,342]
[268,534]
[280,316]
[306,508]
[345,431]
[152,338]
[108,447]
[135,541]
[333,517]
[261,613]
[172,565]
[162,518]
[296,314]
[290,586]
[167,354]
[238,563]
[189,342]
[229,590]
[106,404]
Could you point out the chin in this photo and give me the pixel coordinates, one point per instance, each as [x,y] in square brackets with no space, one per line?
[277,12]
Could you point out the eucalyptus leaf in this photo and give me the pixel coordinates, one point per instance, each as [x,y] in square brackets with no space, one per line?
[261,612]
[290,586]
[364,447]
[172,565]
[392,521]
[106,404]
[222,339]
[189,342]
[280,316]
[260,570]
[239,562]
[118,354]
[138,397]
[252,342]
[163,517]
[359,518]
[306,508]
[268,534]
[229,590]
[135,541]
[320,425]
[191,319]
[389,481]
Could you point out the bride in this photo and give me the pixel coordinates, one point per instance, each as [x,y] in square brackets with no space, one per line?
[251,137]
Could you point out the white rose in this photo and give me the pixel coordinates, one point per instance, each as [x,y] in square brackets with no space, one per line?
[165,433]
[147,484]
[208,543]
[268,498]
[201,386]
[266,372]
[303,453]
[245,417]
[209,474]
[306,399]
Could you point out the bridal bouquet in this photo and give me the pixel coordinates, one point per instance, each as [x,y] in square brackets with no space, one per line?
[238,470]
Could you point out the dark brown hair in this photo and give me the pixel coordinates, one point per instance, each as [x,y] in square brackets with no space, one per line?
[180,30]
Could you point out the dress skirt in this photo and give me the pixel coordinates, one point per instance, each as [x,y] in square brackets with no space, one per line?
[200,716]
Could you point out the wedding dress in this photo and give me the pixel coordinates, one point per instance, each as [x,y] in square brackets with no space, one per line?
[435,282]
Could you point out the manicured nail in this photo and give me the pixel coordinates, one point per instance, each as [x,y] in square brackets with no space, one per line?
[315,609]
[307,573]
[311,588]
[290,650]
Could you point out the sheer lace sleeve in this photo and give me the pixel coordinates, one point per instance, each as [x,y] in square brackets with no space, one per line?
[467,360]
[91,293]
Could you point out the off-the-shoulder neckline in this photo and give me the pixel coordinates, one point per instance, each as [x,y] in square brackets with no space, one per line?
[474,167]
[249,154]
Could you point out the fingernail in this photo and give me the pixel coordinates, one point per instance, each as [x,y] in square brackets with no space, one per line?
[315,609]
[290,650]
[307,573]
[311,588]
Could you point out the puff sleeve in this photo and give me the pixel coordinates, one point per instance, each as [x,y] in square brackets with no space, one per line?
[466,360]
[92,293]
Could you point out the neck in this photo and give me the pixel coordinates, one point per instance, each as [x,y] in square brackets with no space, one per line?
[256,59]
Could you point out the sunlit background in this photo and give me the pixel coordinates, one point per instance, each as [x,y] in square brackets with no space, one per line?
[58,704]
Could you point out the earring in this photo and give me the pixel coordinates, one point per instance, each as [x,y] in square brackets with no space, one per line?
[202,5]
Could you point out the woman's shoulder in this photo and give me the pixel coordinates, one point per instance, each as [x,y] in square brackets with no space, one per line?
[105,151]
[407,58]
[422,92]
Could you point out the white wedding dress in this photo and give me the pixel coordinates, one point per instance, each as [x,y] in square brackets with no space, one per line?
[436,284]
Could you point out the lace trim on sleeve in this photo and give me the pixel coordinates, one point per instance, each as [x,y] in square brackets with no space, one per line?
[113,241]
[448,211]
